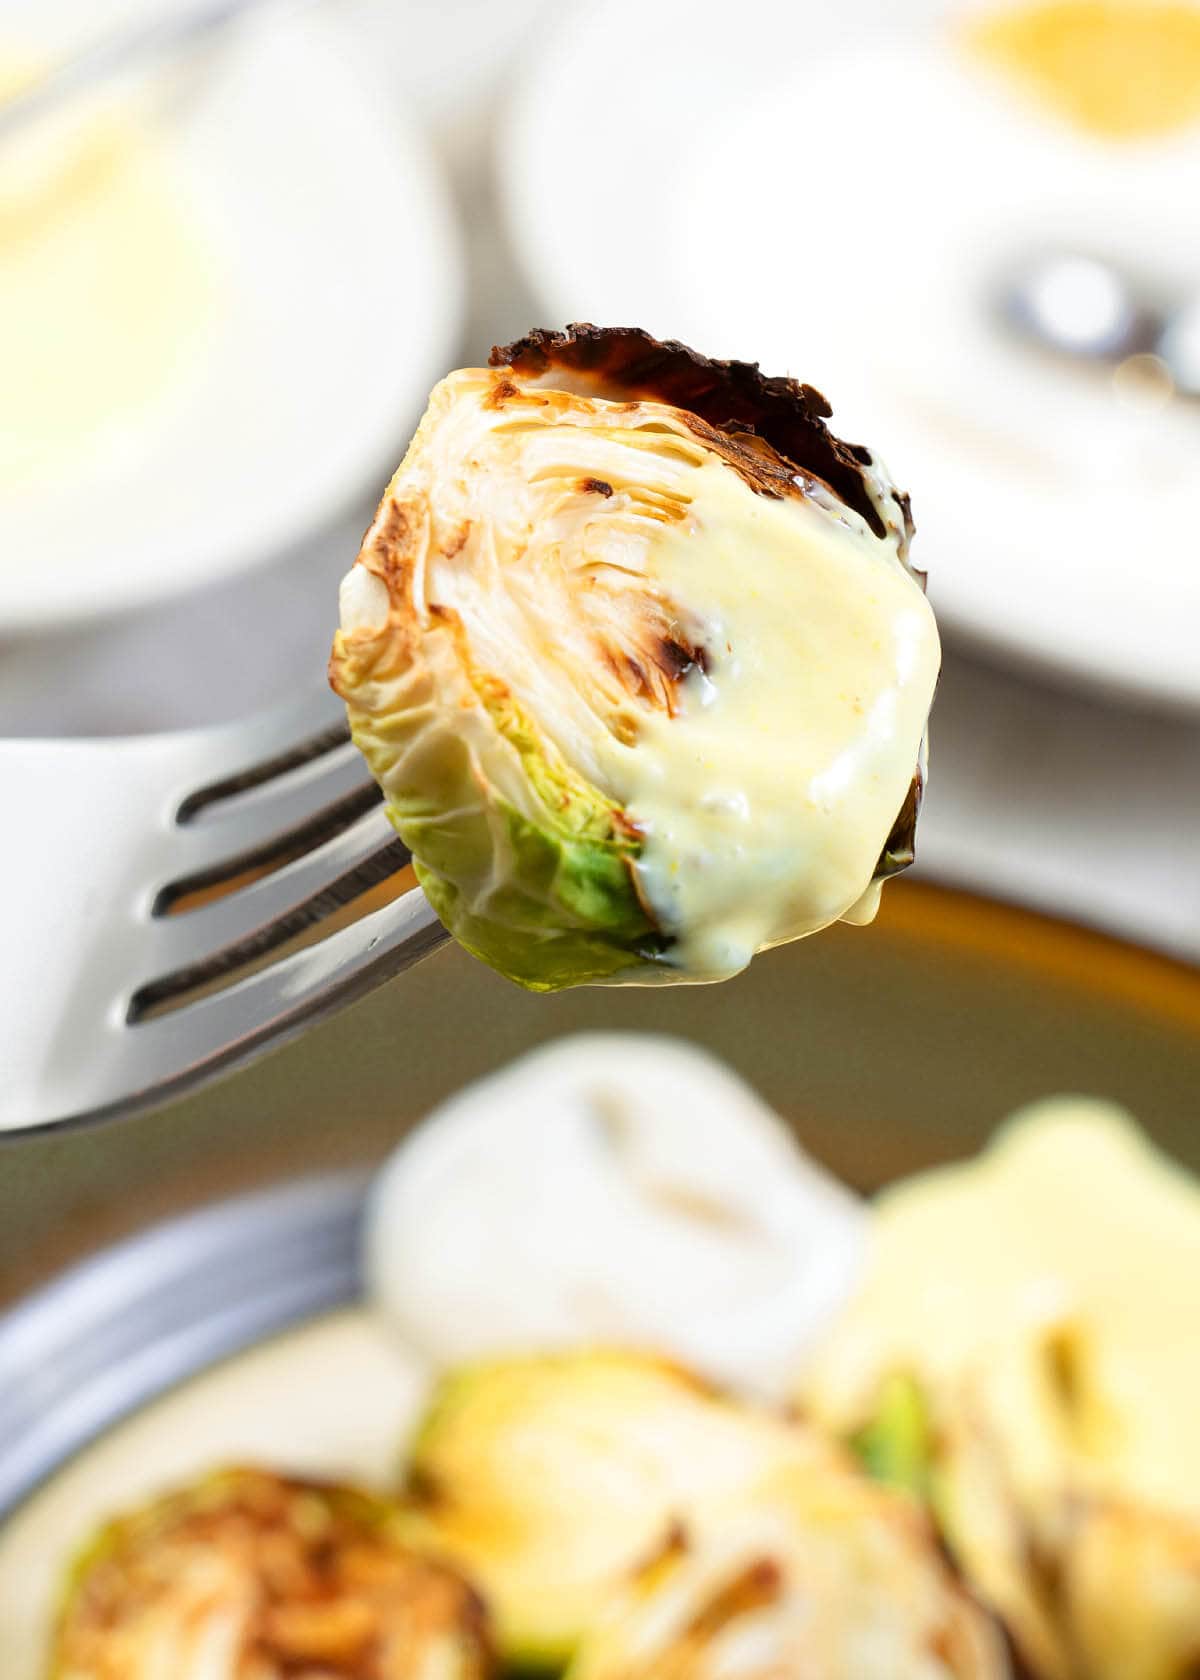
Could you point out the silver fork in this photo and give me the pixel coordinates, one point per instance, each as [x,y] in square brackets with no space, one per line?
[150,886]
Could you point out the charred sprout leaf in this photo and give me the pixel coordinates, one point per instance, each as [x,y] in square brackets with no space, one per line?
[814,1572]
[636,653]
[733,398]
[1015,1352]
[250,1576]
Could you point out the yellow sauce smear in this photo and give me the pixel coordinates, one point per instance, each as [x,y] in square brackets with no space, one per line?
[1118,68]
[104,287]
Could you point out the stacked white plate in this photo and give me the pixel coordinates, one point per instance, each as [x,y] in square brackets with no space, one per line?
[839,193]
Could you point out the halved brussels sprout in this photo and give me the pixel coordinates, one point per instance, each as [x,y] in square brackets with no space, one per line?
[894,1445]
[1092,1585]
[635,651]
[554,1480]
[549,1478]
[252,1576]
[814,1573]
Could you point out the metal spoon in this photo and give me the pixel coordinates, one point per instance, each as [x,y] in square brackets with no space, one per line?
[1083,307]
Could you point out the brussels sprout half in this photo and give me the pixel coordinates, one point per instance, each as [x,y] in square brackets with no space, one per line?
[251,1576]
[1089,1586]
[537,626]
[814,1572]
[1017,1355]
[554,1481]
[547,1479]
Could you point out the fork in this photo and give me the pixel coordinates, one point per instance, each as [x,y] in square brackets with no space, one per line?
[156,890]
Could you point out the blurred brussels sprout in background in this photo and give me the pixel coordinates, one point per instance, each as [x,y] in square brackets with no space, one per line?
[554,1481]
[547,1479]
[251,1576]
[1019,1355]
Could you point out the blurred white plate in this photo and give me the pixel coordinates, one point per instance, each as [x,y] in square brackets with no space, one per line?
[836,192]
[333,302]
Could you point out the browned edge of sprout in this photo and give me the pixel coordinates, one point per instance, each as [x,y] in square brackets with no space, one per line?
[732,397]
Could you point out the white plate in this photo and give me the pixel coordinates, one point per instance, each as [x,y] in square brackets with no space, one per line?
[835,192]
[207,1340]
[331,303]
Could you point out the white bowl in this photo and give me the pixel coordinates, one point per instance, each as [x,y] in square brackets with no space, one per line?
[332,301]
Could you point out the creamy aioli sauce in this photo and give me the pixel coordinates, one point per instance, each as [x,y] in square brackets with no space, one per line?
[1072,1233]
[767,791]
[491,1227]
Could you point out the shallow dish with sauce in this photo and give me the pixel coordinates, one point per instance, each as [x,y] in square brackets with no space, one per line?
[150,419]
[889,1050]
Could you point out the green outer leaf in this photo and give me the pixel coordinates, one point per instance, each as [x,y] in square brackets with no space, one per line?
[523,930]
[895,1445]
[548,903]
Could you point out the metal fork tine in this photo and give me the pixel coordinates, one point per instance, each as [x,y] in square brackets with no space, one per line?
[273,734]
[251,753]
[224,843]
[214,797]
[178,941]
[172,1050]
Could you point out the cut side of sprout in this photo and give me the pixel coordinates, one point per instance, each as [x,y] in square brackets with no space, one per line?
[645,692]
[617,1512]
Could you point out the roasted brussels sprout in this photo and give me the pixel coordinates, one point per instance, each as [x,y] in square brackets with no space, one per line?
[1018,1353]
[814,1575]
[894,1445]
[552,1481]
[635,651]
[1094,1585]
[250,1576]
[548,1478]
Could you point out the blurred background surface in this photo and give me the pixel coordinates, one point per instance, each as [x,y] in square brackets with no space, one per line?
[228,279]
